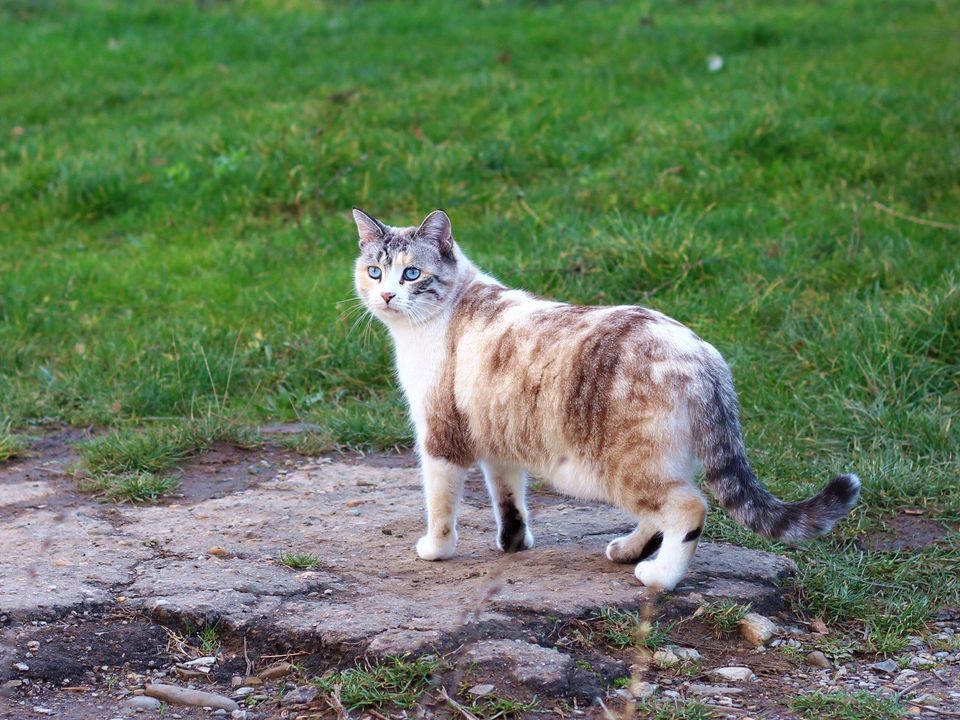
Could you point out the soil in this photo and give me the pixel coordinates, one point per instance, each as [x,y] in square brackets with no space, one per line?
[905,532]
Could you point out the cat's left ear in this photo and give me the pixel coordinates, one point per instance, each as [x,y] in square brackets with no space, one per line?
[436,228]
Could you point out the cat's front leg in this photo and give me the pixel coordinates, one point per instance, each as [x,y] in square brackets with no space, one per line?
[442,488]
[507,485]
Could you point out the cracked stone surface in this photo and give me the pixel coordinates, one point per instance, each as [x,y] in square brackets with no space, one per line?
[219,559]
[534,666]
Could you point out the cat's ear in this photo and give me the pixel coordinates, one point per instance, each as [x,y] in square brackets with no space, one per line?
[370,228]
[436,228]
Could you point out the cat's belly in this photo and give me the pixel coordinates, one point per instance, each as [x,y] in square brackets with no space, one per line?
[572,477]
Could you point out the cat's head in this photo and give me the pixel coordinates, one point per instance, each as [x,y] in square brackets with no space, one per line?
[405,274]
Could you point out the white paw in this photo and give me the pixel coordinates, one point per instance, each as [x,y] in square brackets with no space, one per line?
[430,548]
[614,549]
[659,575]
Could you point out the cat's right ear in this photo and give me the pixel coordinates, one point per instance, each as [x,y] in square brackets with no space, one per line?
[370,228]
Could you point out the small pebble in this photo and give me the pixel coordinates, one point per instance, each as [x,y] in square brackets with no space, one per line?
[756,629]
[140,703]
[887,666]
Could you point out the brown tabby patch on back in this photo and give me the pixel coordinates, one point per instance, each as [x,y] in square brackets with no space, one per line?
[504,353]
[597,367]
[478,301]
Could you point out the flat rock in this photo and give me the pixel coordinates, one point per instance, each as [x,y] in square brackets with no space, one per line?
[369,592]
[533,666]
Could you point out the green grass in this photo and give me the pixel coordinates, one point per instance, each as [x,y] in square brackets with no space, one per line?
[135,486]
[675,710]
[11,444]
[723,616]
[210,639]
[307,443]
[847,706]
[137,465]
[176,179]
[493,707]
[300,560]
[398,682]
[623,628]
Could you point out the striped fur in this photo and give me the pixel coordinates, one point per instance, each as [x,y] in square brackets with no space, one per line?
[619,404]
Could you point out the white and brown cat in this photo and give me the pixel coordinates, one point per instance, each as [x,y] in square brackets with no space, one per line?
[617,404]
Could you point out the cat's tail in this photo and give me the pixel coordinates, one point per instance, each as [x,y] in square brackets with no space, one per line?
[716,429]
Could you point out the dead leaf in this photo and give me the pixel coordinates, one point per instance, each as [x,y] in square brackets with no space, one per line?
[819,626]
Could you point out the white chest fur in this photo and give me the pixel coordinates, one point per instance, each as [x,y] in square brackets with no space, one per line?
[420,352]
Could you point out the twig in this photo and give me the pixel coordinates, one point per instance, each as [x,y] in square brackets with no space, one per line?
[914,219]
[456,706]
[931,708]
[247,657]
[333,699]
[911,687]
[284,655]
[521,199]
[606,711]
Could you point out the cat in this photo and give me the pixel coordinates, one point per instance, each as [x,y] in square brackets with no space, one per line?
[614,404]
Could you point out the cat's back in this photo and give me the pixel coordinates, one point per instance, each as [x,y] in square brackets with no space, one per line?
[497,322]
[531,373]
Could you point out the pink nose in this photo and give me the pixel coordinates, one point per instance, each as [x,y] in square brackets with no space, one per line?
[387,296]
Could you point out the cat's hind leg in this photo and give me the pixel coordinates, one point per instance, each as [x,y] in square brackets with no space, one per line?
[680,523]
[507,485]
[442,488]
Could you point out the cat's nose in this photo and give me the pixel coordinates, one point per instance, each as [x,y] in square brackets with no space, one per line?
[387,296]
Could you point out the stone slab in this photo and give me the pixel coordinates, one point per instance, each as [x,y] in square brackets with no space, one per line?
[219,560]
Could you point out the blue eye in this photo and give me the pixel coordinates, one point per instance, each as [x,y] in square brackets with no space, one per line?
[411,274]
[374,272]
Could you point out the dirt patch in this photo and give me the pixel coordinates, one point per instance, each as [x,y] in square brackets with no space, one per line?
[905,533]
[223,470]
[41,478]
[74,651]
[390,459]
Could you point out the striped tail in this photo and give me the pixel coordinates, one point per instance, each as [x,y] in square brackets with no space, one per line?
[716,427]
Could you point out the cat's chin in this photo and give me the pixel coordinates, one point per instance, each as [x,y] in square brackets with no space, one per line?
[387,314]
